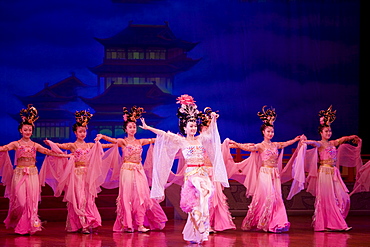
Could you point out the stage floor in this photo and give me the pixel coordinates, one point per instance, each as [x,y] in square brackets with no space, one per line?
[300,234]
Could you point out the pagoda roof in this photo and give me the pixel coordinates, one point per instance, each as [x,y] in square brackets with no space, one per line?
[61,92]
[117,96]
[146,35]
[67,87]
[171,67]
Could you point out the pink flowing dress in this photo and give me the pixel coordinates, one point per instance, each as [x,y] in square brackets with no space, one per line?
[267,211]
[134,205]
[220,218]
[332,199]
[82,210]
[198,187]
[80,178]
[24,193]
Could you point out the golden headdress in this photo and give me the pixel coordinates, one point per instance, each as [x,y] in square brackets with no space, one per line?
[268,116]
[29,115]
[327,116]
[83,117]
[132,115]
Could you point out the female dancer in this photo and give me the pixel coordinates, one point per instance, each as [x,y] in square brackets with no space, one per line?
[332,199]
[197,188]
[134,205]
[83,215]
[267,211]
[22,185]
[220,216]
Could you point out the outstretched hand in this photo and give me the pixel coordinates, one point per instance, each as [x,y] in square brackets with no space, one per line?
[356,139]
[46,141]
[143,124]
[98,137]
[214,115]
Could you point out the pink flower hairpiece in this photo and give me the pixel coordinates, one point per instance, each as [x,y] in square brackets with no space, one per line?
[185,100]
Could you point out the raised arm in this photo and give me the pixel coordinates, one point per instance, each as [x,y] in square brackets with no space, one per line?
[244,146]
[312,143]
[5,148]
[106,138]
[65,146]
[102,145]
[146,127]
[49,152]
[147,141]
[343,139]
[290,142]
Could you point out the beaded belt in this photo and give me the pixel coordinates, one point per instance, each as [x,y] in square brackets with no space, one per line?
[80,163]
[196,165]
[26,166]
[131,166]
[27,159]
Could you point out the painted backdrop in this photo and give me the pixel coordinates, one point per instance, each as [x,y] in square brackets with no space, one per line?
[297,56]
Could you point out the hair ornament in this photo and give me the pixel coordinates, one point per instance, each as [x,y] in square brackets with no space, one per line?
[327,116]
[187,111]
[206,116]
[268,116]
[185,100]
[83,117]
[29,115]
[132,115]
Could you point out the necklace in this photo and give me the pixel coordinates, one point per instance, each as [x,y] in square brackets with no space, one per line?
[25,141]
[130,140]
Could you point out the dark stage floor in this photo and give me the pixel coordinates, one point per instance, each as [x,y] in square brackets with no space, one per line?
[301,234]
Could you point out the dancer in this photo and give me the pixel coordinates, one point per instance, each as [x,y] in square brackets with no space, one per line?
[197,188]
[22,184]
[220,216]
[80,177]
[134,205]
[332,200]
[267,211]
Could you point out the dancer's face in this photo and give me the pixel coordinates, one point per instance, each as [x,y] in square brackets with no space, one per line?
[80,133]
[131,128]
[191,128]
[326,133]
[268,132]
[26,131]
[203,128]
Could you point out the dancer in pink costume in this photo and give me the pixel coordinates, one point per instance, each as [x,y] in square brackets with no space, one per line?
[22,185]
[267,211]
[197,188]
[220,216]
[135,208]
[79,179]
[332,199]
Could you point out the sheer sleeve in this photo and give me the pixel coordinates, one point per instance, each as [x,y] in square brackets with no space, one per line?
[148,164]
[212,143]
[350,156]
[295,170]
[112,162]
[311,160]
[164,152]
[245,172]
[56,170]
[6,172]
